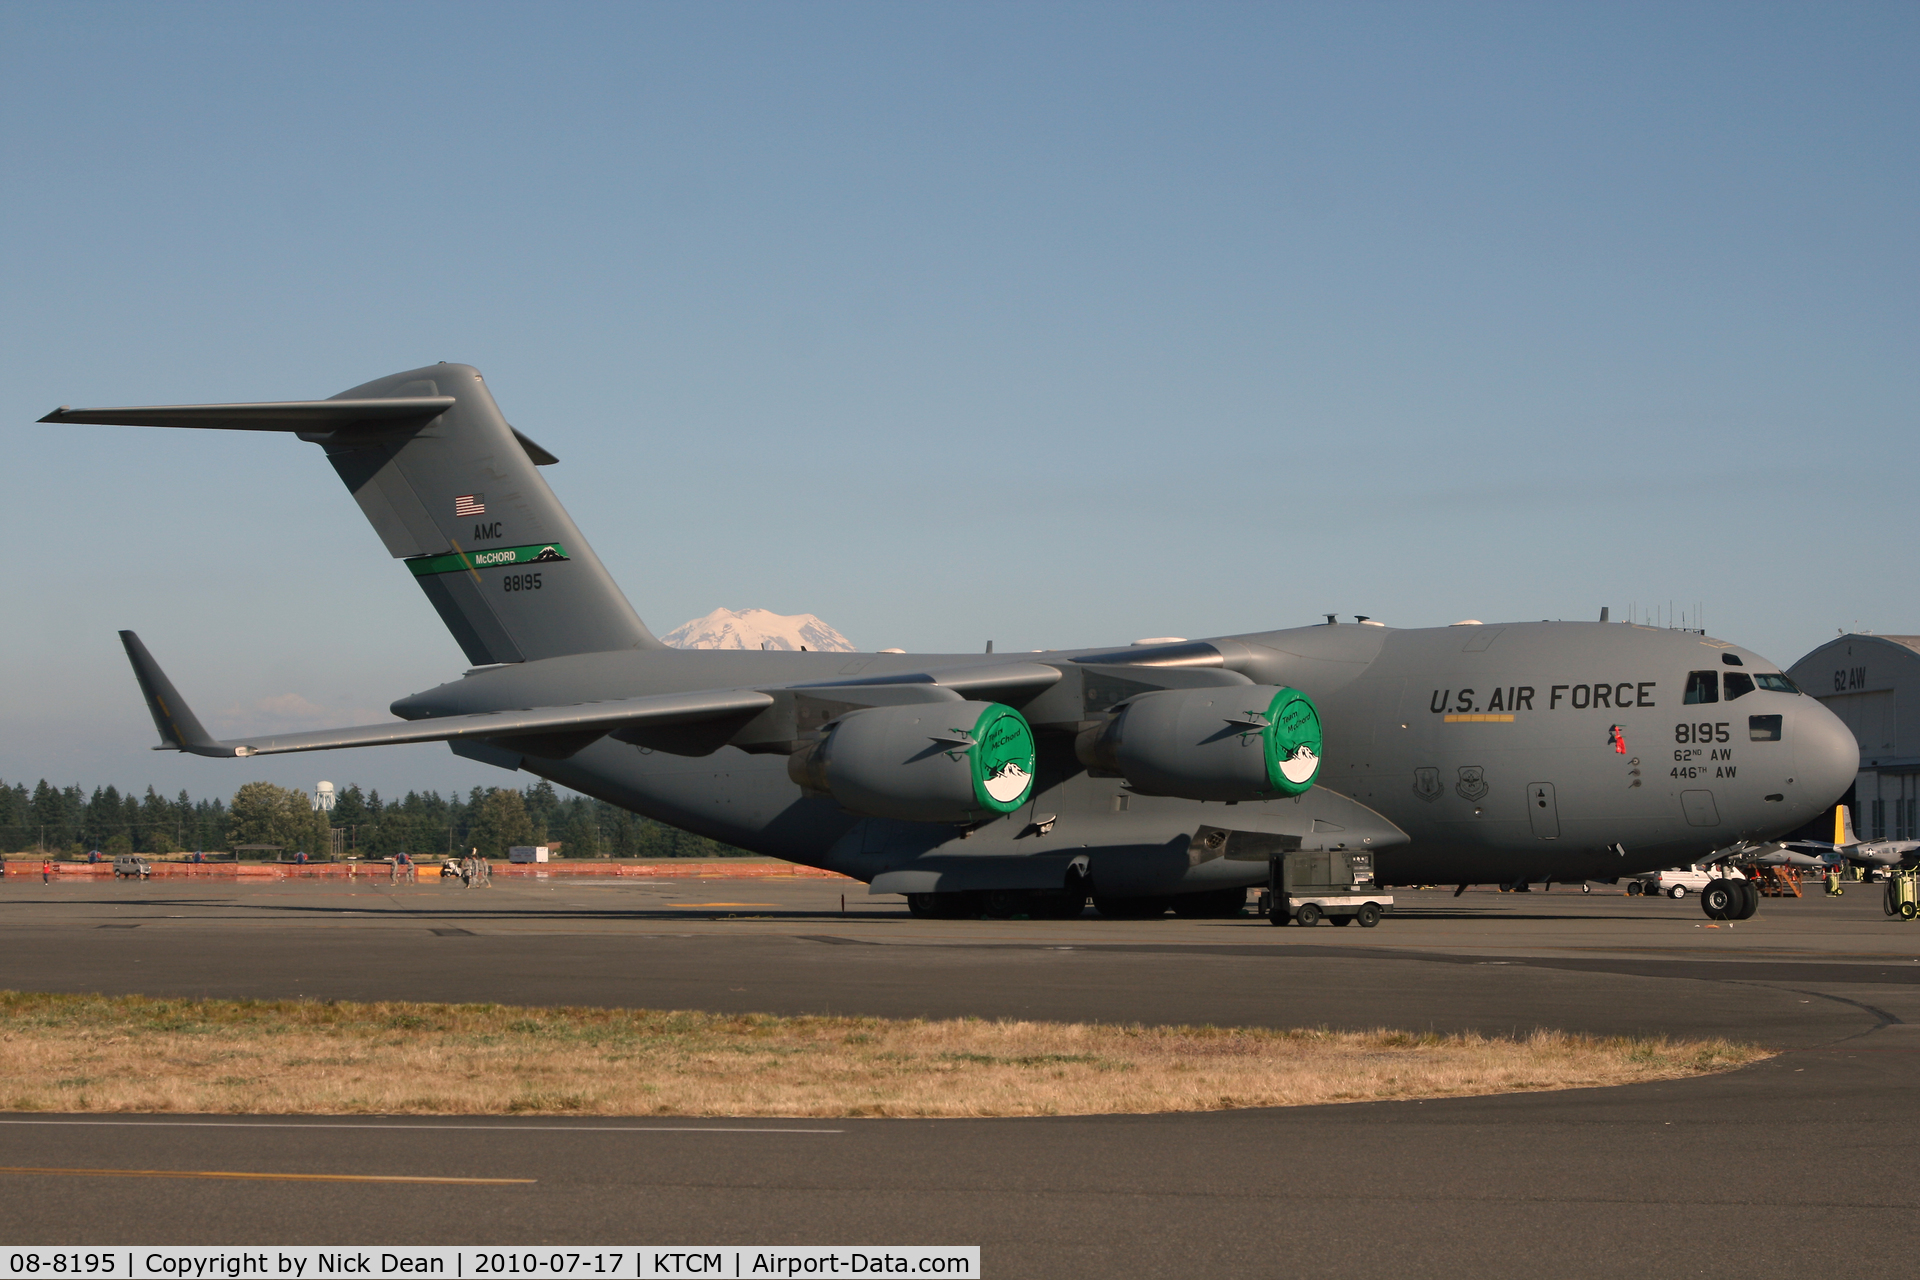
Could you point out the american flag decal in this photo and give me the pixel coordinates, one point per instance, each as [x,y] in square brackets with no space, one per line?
[469,504]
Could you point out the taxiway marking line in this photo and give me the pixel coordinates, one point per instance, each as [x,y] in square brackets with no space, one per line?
[260,1177]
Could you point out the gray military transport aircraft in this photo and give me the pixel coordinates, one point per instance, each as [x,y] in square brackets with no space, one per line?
[1155,776]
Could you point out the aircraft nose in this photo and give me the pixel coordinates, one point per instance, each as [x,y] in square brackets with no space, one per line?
[1826,758]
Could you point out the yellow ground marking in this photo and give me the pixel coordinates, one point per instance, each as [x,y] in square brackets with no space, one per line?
[264,1177]
[1480,719]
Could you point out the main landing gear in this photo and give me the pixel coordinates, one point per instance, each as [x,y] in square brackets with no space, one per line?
[1069,904]
[1729,899]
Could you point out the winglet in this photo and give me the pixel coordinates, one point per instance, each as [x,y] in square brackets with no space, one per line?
[179,728]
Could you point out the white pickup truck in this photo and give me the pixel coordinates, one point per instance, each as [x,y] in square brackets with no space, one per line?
[1677,883]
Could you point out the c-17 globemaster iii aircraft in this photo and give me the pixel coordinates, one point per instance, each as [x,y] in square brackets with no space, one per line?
[1158,775]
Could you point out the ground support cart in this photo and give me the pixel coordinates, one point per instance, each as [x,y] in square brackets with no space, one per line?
[1337,885]
[1903,894]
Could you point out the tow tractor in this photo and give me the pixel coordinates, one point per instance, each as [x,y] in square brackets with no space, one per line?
[1337,885]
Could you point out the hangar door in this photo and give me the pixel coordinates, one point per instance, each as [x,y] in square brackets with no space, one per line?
[1870,716]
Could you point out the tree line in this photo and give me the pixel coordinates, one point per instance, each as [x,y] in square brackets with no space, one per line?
[71,821]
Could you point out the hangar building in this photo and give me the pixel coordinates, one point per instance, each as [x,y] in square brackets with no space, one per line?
[1873,684]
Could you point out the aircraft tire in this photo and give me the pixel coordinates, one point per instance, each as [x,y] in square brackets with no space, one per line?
[1720,900]
[944,906]
[1751,892]
[1368,915]
[1633,888]
[1214,904]
[1308,915]
[1340,920]
[1057,905]
[1005,904]
[1145,908]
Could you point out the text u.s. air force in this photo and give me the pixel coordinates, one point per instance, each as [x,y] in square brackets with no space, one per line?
[1619,696]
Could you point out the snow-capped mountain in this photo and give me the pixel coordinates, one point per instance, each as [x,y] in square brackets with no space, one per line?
[756,629]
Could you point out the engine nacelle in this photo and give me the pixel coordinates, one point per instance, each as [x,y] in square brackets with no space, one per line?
[1229,742]
[924,762]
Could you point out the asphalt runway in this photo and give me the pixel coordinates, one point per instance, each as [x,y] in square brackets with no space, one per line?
[1804,1164]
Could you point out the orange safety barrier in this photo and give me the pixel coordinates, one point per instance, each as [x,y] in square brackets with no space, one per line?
[429,871]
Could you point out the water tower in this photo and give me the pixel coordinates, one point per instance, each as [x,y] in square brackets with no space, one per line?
[323,797]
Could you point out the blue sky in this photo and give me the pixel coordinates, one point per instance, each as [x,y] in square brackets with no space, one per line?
[1050,324]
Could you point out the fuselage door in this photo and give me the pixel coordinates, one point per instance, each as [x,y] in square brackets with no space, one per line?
[1542,811]
[1700,809]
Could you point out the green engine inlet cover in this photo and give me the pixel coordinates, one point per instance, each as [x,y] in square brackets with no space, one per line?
[1003,759]
[1292,741]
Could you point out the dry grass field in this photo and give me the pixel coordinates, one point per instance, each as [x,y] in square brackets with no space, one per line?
[133,1054]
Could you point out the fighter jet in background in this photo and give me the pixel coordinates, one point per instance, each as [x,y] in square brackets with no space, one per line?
[1154,776]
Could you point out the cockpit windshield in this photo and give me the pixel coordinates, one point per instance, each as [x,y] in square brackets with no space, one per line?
[1702,686]
[1773,682]
[1739,684]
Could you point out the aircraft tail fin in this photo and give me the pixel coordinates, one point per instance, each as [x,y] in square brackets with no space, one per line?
[1843,827]
[454,491]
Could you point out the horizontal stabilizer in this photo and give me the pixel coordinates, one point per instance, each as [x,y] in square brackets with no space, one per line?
[315,417]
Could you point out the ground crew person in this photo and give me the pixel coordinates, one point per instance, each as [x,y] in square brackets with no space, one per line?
[46,871]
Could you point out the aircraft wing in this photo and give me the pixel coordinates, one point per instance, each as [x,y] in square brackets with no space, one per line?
[692,723]
[180,730]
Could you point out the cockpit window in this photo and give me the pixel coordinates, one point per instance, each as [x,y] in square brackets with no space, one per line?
[1739,684]
[1702,686]
[1732,659]
[1763,728]
[1773,682]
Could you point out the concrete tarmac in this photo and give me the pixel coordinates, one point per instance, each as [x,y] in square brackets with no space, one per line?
[1789,1167]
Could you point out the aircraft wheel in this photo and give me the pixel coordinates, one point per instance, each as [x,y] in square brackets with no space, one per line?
[1276,918]
[1214,904]
[1633,888]
[1308,915]
[1719,900]
[943,906]
[1340,920]
[1057,905]
[1151,908]
[1749,899]
[1678,892]
[1004,904]
[1368,915]
[1908,911]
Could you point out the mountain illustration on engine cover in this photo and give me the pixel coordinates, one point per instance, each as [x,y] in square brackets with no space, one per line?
[758,628]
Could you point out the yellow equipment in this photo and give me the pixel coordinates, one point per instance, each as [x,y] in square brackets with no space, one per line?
[1903,894]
